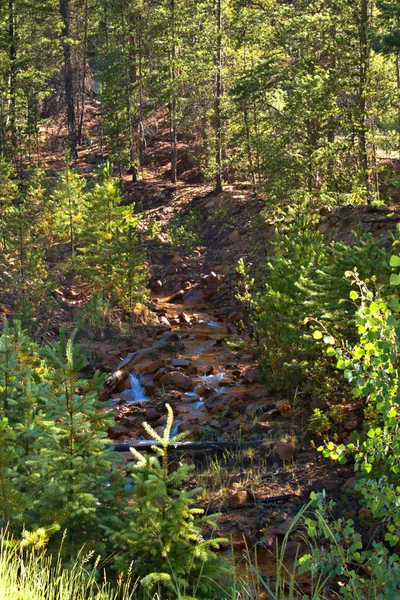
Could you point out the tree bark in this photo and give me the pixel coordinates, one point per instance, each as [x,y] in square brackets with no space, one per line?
[12,75]
[363,79]
[172,109]
[65,10]
[218,97]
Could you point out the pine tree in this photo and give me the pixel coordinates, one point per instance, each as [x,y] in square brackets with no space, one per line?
[76,466]
[164,543]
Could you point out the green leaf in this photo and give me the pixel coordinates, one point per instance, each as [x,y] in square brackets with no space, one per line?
[395,261]
[317,335]
[394,279]
[331,351]
[354,295]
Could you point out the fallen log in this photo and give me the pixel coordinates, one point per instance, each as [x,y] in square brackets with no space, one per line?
[146,446]
[129,362]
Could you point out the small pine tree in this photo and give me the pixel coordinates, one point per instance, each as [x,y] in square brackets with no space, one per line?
[68,215]
[164,543]
[76,465]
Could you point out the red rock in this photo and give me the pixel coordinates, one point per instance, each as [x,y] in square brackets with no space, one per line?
[180,362]
[155,285]
[234,236]
[164,321]
[148,384]
[125,384]
[211,288]
[252,376]
[193,296]
[284,407]
[152,414]
[153,366]
[183,318]
[349,484]
[177,260]
[117,431]
[177,380]
[291,550]
[216,404]
[285,451]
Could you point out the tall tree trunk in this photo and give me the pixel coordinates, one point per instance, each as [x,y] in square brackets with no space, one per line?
[142,141]
[363,80]
[12,75]
[83,82]
[65,7]
[172,107]
[218,97]
[247,127]
[398,93]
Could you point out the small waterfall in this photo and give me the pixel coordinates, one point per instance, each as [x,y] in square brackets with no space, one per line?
[137,389]
[174,429]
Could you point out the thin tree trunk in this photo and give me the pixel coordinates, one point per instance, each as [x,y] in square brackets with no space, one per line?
[247,128]
[142,141]
[68,81]
[83,83]
[12,75]
[398,93]
[363,79]
[172,110]
[218,96]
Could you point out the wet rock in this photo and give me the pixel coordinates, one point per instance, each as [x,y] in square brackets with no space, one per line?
[252,376]
[216,404]
[151,414]
[284,527]
[285,451]
[153,367]
[180,362]
[162,421]
[269,538]
[177,380]
[164,321]
[193,296]
[148,384]
[117,431]
[184,318]
[125,384]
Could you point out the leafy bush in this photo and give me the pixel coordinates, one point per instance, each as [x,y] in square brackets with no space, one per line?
[372,369]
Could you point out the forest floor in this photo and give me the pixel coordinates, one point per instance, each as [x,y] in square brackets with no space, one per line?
[208,371]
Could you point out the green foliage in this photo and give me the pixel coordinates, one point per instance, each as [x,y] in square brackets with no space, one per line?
[302,284]
[361,572]
[54,467]
[164,543]
[371,368]
[185,232]
[277,311]
[28,573]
